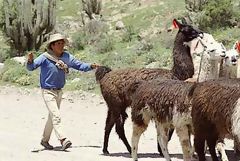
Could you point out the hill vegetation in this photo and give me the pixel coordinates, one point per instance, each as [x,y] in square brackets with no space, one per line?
[144,41]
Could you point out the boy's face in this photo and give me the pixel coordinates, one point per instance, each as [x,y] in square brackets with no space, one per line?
[58,47]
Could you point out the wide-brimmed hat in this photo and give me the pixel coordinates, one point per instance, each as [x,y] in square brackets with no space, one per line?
[56,37]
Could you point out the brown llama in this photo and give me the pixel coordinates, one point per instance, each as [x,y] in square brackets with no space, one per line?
[113,83]
[166,102]
[215,114]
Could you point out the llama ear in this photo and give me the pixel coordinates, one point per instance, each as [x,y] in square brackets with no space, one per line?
[238,46]
[175,24]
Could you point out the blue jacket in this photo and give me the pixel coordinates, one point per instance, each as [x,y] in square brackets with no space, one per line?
[50,75]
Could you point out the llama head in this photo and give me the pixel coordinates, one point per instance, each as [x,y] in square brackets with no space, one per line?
[232,55]
[208,46]
[187,30]
[101,71]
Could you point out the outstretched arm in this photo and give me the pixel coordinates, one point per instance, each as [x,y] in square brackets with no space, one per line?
[33,64]
[78,65]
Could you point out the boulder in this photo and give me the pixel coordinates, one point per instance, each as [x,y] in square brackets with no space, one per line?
[1,67]
[20,59]
[119,25]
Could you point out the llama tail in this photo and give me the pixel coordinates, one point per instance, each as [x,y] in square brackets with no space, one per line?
[101,71]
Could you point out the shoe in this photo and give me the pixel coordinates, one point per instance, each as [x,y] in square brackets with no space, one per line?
[65,144]
[46,145]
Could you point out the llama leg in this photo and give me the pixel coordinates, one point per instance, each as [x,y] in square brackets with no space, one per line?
[137,132]
[108,127]
[162,133]
[183,135]
[236,146]
[190,131]
[170,133]
[199,144]
[120,130]
[221,150]
[211,141]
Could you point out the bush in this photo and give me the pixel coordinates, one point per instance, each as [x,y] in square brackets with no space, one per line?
[79,40]
[4,54]
[128,34]
[15,73]
[217,14]
[104,44]
[144,46]
[228,37]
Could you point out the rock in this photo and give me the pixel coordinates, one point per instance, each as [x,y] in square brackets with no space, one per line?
[20,59]
[61,8]
[153,65]
[1,67]
[119,25]
[101,102]
[76,80]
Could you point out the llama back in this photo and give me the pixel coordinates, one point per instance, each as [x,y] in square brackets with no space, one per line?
[116,81]
[214,103]
[162,96]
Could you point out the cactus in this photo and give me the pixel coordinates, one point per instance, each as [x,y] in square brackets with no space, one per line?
[28,22]
[92,7]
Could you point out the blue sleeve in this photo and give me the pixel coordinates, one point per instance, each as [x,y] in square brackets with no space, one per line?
[36,63]
[78,65]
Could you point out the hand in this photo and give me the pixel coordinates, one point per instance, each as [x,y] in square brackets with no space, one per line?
[94,66]
[30,57]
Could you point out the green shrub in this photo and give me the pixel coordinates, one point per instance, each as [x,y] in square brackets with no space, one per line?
[144,46]
[15,73]
[217,14]
[79,40]
[104,44]
[128,34]
[4,54]
[228,37]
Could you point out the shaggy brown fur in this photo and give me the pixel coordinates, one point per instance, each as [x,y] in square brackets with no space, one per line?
[113,86]
[161,96]
[113,83]
[162,101]
[182,60]
[213,105]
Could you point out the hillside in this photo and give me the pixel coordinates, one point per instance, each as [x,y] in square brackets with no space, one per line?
[144,42]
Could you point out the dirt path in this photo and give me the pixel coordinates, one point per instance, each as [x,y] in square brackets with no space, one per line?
[23,116]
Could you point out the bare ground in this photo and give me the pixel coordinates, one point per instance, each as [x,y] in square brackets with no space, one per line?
[23,116]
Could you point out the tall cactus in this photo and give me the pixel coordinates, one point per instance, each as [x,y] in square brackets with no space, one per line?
[27,22]
[92,7]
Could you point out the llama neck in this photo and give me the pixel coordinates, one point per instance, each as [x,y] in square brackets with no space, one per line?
[205,68]
[230,71]
[182,59]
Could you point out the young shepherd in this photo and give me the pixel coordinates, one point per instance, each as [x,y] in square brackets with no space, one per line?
[168,104]
[113,83]
[215,114]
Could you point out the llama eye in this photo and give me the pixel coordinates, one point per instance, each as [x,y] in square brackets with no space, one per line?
[212,50]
